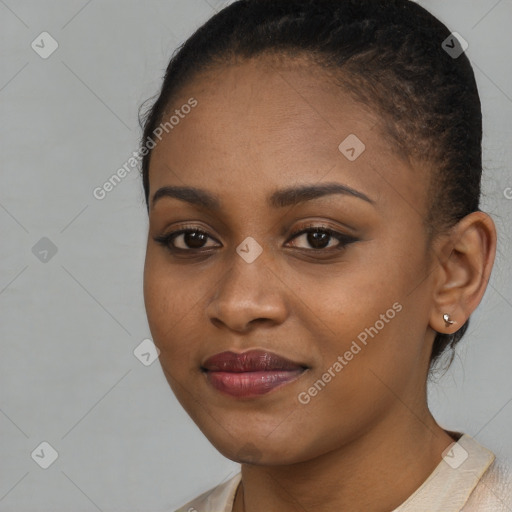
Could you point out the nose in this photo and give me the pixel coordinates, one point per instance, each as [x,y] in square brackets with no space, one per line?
[248,294]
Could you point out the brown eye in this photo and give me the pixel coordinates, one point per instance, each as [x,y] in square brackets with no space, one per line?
[187,239]
[320,237]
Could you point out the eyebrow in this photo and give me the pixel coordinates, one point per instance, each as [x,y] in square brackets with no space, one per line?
[278,199]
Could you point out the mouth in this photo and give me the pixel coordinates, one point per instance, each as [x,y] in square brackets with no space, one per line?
[252,373]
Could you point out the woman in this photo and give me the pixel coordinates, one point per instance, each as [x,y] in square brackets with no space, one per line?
[312,176]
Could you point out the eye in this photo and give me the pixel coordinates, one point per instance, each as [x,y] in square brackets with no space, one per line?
[186,239]
[193,239]
[320,237]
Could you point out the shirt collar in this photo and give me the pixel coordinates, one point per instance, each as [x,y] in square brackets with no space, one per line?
[451,483]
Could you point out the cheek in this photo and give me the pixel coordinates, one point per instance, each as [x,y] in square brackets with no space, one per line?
[370,319]
[348,303]
[172,312]
[170,305]
[362,334]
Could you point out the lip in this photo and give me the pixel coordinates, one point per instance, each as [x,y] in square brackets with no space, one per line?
[251,373]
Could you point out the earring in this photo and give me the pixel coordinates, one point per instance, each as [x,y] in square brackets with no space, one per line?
[447,321]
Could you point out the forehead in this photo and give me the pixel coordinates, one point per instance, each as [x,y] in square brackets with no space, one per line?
[267,123]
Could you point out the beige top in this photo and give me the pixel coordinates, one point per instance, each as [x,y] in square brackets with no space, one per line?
[467,479]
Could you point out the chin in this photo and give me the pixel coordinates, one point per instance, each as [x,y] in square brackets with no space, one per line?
[261,452]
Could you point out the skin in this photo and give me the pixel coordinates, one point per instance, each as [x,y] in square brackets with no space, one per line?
[367,440]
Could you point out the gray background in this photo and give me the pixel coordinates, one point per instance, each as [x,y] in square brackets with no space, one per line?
[69,325]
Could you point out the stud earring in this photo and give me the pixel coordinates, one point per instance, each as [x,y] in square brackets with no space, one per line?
[447,321]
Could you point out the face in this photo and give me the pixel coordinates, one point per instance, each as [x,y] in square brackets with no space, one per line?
[340,287]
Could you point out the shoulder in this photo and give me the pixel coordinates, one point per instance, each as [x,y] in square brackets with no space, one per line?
[493,491]
[217,499]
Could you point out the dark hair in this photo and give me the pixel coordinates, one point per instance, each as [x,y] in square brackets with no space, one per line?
[389,55]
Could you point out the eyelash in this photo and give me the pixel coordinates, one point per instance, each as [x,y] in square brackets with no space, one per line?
[343,239]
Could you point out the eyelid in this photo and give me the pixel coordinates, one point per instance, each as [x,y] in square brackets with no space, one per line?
[344,239]
[166,238]
[322,226]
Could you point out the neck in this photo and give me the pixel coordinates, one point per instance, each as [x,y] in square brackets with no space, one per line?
[375,472]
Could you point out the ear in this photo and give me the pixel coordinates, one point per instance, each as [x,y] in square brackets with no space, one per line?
[466,256]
